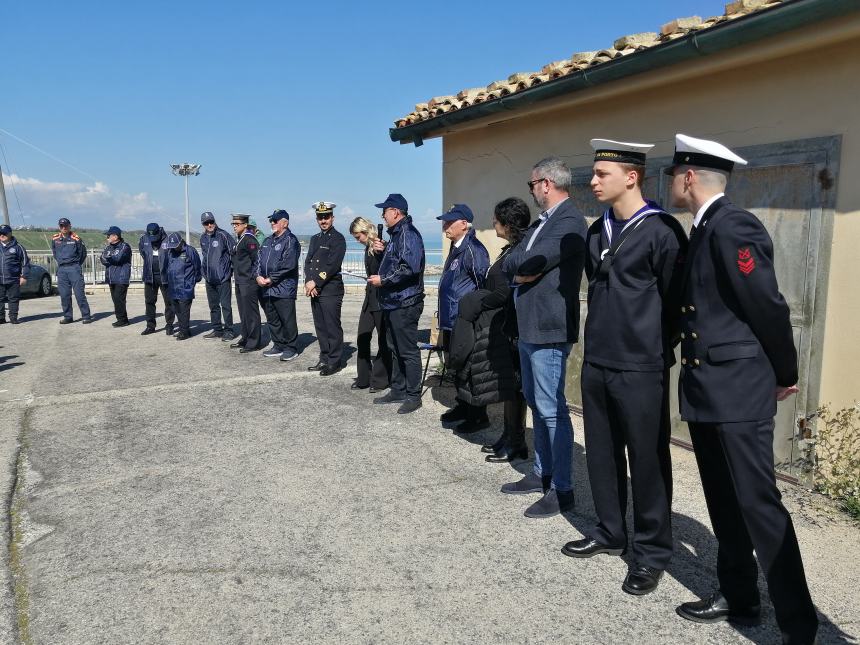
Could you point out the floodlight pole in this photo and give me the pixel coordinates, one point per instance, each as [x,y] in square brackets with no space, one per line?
[186,170]
[4,207]
[187,225]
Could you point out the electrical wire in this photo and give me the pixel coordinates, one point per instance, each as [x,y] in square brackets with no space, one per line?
[47,154]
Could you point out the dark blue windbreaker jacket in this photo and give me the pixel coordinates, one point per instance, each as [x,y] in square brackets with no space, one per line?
[279,261]
[14,262]
[117,261]
[152,263]
[181,271]
[217,255]
[402,267]
[465,270]
[68,251]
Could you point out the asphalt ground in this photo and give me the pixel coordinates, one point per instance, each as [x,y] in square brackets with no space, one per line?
[177,492]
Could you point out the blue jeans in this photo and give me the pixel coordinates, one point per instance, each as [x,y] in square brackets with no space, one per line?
[543,368]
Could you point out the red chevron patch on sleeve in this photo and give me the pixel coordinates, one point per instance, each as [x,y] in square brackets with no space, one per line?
[746,262]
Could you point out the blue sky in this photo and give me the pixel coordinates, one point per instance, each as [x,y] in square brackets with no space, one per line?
[284,104]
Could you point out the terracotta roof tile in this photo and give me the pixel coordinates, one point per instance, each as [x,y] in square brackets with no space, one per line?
[624,46]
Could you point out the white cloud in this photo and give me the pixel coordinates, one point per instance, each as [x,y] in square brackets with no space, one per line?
[87,205]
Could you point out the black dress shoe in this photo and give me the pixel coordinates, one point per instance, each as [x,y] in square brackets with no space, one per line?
[148,331]
[328,370]
[213,334]
[356,386]
[588,547]
[457,413]
[247,350]
[316,368]
[65,321]
[508,454]
[716,609]
[86,321]
[182,336]
[472,425]
[390,398]
[241,343]
[374,389]
[119,323]
[495,447]
[641,580]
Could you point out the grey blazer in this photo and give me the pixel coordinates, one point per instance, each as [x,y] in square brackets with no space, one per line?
[548,308]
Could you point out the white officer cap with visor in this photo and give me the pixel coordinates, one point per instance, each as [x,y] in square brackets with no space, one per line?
[620,151]
[702,153]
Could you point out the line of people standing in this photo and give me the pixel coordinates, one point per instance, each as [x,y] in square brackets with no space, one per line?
[649,289]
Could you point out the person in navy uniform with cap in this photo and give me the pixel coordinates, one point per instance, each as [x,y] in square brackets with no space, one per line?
[465,271]
[401,295]
[634,262]
[737,360]
[14,269]
[277,273]
[247,289]
[216,248]
[116,258]
[153,250]
[324,286]
[70,253]
[181,271]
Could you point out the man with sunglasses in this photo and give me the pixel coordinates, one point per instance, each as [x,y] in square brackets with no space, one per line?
[217,248]
[324,286]
[401,296]
[546,271]
[247,289]
[70,253]
[277,273]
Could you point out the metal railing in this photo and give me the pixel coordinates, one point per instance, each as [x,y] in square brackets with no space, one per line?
[353,262]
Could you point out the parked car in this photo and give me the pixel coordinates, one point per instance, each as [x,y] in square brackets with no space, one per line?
[38,282]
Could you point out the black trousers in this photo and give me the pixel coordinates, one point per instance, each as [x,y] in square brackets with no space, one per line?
[150,297]
[372,371]
[218,295]
[745,506]
[326,313]
[10,293]
[118,293]
[628,410]
[281,318]
[183,315]
[401,326]
[248,301]
[514,434]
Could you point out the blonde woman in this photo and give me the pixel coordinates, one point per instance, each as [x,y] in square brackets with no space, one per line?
[373,373]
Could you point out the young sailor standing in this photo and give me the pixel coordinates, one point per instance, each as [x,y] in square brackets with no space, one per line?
[633,260]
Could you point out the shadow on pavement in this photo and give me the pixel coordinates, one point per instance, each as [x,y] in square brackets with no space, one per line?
[34,317]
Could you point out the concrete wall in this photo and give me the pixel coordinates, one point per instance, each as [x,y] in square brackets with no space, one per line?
[793,87]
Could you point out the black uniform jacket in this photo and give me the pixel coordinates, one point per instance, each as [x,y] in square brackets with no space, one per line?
[245,258]
[736,338]
[372,261]
[323,262]
[633,303]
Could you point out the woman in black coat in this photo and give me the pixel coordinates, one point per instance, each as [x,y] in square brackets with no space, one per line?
[373,373]
[483,345]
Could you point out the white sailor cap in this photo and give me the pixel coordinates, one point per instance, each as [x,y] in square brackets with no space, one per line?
[323,208]
[620,151]
[702,153]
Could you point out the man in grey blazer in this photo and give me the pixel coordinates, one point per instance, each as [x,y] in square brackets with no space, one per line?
[546,270]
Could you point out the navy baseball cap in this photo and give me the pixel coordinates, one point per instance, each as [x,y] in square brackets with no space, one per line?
[394,200]
[5,230]
[113,230]
[457,211]
[153,229]
[173,240]
[279,214]
[207,217]
[64,222]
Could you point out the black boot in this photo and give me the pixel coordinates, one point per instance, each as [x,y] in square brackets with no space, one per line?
[508,453]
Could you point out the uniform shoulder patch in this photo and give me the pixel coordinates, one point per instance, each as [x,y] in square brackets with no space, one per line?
[75,237]
[746,262]
[252,246]
[56,236]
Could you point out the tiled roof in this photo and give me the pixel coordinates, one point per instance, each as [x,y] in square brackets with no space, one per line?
[624,46]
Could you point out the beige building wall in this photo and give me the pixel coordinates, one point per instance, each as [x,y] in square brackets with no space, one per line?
[791,87]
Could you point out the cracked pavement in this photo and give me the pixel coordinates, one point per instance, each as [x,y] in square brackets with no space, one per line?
[170,492]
